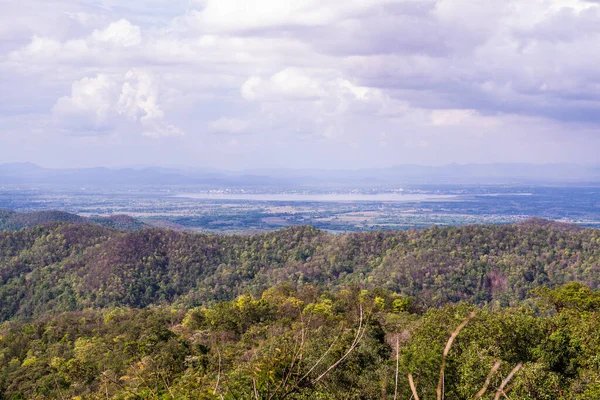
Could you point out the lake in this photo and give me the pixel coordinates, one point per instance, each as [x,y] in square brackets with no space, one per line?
[330,198]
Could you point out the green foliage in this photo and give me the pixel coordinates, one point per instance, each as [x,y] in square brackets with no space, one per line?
[10,220]
[571,295]
[70,267]
[91,312]
[298,344]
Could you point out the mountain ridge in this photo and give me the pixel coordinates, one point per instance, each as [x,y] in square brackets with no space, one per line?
[495,173]
[64,266]
[12,220]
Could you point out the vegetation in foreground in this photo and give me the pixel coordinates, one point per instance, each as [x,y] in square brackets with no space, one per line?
[307,344]
[92,312]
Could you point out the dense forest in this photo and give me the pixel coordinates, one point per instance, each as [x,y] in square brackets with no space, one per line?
[12,220]
[70,267]
[94,312]
[310,344]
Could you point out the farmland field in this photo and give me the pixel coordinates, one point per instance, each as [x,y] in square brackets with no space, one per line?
[264,209]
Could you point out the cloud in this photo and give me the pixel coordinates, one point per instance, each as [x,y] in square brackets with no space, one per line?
[121,33]
[90,107]
[114,42]
[139,100]
[139,97]
[526,58]
[290,83]
[229,126]
[451,117]
[320,102]
[101,103]
[300,71]
[325,89]
[235,16]
[40,47]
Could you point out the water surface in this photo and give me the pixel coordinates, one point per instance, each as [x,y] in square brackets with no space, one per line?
[332,198]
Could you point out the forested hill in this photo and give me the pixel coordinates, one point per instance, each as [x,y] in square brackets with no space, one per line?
[299,314]
[65,266]
[11,220]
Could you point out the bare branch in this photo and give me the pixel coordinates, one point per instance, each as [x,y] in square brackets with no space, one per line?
[218,374]
[359,334]
[166,384]
[296,357]
[255,390]
[488,380]
[397,362]
[140,377]
[321,359]
[58,387]
[413,389]
[440,388]
[500,391]
[105,374]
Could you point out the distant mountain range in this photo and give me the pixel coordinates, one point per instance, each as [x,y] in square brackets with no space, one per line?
[28,173]
[32,174]
[451,174]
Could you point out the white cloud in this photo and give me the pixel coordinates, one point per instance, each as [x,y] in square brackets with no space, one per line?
[298,69]
[139,100]
[114,42]
[331,93]
[451,117]
[139,97]
[90,105]
[39,47]
[120,33]
[229,125]
[98,103]
[290,83]
[234,15]
[319,101]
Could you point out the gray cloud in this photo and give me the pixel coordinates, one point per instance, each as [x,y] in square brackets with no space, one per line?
[399,80]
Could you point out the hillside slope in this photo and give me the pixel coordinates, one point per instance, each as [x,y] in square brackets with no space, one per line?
[65,266]
[11,220]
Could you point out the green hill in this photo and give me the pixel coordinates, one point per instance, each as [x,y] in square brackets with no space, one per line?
[10,220]
[66,267]
[92,312]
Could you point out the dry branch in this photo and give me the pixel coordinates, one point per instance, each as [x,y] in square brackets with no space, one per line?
[359,334]
[440,388]
[488,380]
[500,391]
[219,373]
[321,358]
[413,388]
[397,365]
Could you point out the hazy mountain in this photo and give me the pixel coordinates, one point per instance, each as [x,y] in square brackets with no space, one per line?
[452,173]
[27,173]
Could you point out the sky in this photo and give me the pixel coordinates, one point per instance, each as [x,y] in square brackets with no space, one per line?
[239,84]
